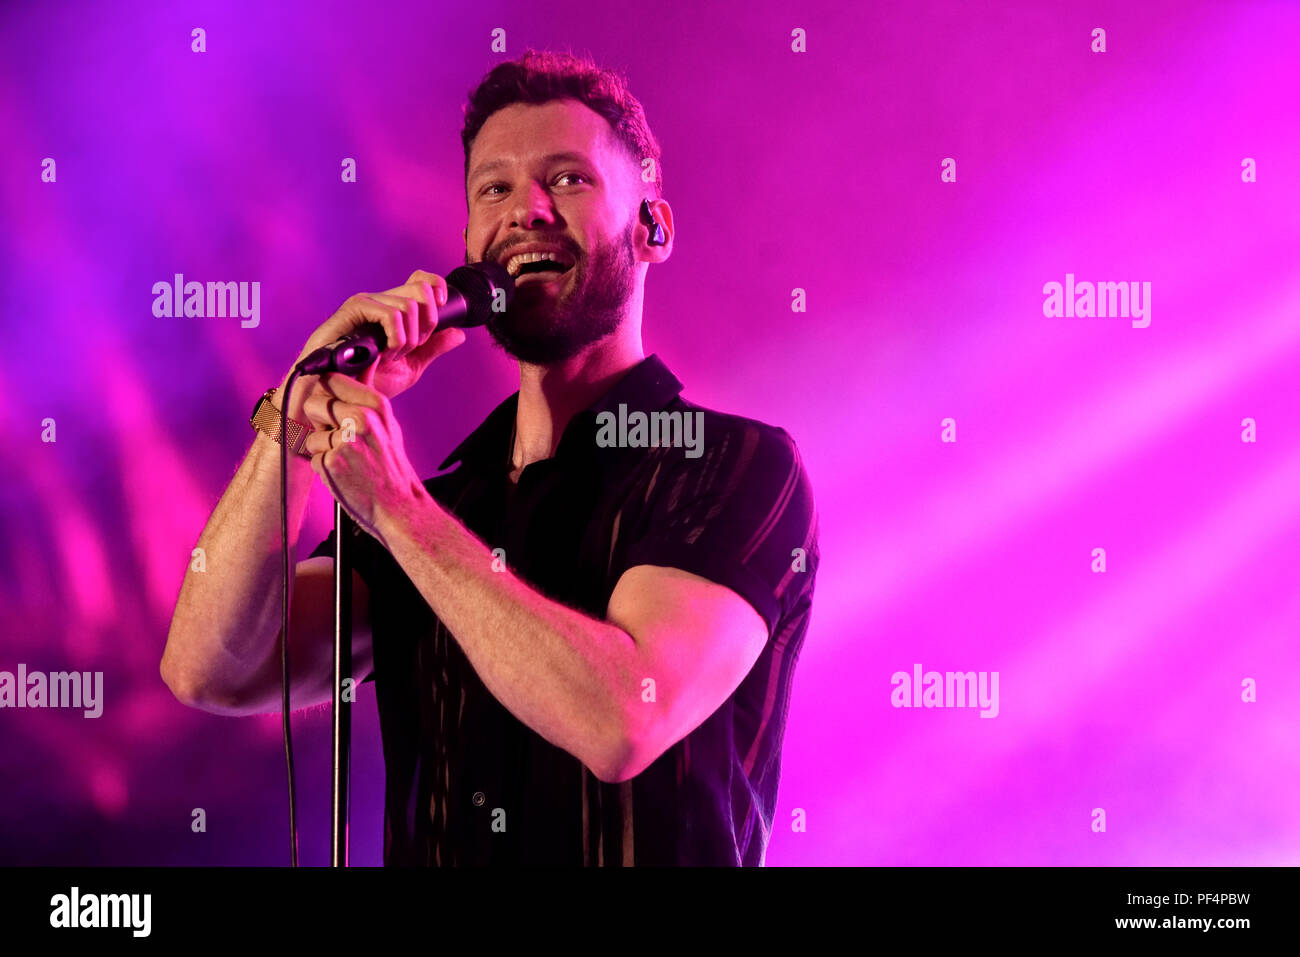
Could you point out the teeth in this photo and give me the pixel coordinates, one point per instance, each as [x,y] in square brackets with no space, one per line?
[514,262]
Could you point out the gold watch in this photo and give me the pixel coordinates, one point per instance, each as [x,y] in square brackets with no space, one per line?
[266,419]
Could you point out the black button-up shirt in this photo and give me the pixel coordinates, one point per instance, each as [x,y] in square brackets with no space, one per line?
[467,782]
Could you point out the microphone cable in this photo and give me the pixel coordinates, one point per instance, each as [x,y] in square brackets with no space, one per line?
[284,613]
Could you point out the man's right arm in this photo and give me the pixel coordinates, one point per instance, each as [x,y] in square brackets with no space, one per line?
[223,648]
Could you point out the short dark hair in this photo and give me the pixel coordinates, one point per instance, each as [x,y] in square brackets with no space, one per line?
[542,76]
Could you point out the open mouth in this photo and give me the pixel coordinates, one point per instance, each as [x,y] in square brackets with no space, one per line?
[541,271]
[546,264]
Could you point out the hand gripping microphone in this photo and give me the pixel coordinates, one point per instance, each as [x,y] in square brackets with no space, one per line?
[472,291]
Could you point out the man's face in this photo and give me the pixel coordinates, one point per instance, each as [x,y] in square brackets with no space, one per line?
[554,175]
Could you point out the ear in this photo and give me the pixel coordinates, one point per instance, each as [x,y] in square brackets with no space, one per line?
[661,212]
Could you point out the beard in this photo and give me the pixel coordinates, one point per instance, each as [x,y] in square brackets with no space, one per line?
[541,330]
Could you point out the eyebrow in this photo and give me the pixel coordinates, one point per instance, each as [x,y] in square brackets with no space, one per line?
[491,165]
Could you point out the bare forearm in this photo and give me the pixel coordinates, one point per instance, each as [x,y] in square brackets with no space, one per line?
[227,616]
[566,675]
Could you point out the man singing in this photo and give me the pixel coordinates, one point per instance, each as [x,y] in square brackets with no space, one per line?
[582,643]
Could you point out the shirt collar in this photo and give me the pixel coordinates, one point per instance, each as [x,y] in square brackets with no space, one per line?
[648,386]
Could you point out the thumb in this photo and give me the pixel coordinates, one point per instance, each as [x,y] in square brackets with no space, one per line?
[440,342]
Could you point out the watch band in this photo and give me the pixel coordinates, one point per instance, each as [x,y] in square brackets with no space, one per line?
[266,419]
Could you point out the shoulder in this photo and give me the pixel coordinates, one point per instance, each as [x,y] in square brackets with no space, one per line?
[737,478]
[737,450]
[736,508]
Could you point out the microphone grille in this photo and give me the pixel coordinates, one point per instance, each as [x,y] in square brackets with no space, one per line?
[478,283]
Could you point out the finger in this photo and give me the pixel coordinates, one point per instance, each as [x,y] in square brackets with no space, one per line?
[366,307]
[394,312]
[409,309]
[434,281]
[367,376]
[355,419]
[427,288]
[437,344]
[418,279]
[354,393]
[321,409]
[303,389]
[319,442]
[351,420]
[428,296]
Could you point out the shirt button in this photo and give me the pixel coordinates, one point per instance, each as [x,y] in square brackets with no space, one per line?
[479,798]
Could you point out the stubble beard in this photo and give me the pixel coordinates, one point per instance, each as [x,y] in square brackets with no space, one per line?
[536,331]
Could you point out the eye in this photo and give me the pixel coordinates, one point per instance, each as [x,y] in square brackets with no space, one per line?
[489,186]
[582,176]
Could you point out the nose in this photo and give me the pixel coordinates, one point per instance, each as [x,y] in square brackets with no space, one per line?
[534,208]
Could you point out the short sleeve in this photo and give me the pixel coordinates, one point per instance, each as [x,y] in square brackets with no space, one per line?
[325,549]
[741,515]
[362,551]
[363,561]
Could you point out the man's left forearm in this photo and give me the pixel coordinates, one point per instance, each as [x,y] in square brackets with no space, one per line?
[569,677]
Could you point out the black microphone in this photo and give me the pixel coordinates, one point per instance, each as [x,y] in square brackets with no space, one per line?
[472,293]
